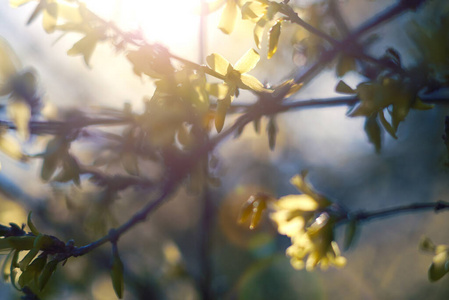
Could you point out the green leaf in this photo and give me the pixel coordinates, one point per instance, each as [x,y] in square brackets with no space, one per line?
[31,225]
[5,265]
[52,154]
[228,17]
[420,105]
[350,234]
[273,38]
[12,268]
[23,264]
[70,171]
[21,242]
[48,270]
[117,273]
[372,129]
[345,64]
[343,88]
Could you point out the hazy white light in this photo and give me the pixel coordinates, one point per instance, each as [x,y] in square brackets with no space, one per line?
[173,23]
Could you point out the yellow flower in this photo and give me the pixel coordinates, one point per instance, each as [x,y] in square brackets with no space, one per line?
[253,208]
[303,218]
[440,262]
[317,244]
[234,78]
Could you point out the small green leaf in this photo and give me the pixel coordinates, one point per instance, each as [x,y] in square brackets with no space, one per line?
[48,270]
[372,129]
[70,170]
[117,273]
[12,268]
[4,244]
[52,154]
[343,88]
[273,38]
[21,242]
[350,234]
[37,266]
[420,105]
[23,264]
[345,64]
[5,265]
[31,225]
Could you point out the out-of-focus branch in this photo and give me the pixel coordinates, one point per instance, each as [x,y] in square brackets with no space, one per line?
[415,207]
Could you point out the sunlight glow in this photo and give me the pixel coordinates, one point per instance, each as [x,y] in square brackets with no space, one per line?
[173,23]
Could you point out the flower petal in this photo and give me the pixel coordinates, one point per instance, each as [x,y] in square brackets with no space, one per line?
[218,63]
[218,90]
[17,3]
[297,202]
[228,17]
[248,61]
[249,82]
[439,266]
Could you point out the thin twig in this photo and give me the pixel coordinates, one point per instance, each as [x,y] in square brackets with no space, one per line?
[415,207]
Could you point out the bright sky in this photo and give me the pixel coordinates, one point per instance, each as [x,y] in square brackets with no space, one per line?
[173,23]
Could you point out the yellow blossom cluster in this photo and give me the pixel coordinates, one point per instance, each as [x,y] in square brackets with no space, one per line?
[310,227]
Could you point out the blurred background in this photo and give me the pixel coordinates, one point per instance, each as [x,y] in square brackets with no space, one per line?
[164,257]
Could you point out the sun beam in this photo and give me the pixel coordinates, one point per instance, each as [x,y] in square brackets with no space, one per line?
[173,23]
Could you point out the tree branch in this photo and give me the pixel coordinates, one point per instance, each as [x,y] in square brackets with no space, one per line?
[415,207]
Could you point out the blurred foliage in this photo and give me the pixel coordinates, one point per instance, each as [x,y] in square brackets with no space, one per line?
[108,169]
